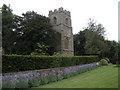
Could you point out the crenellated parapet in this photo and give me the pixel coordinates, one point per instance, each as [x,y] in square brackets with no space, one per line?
[59,11]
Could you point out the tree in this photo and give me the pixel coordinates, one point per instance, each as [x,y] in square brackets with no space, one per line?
[98,28]
[34,28]
[21,34]
[79,43]
[8,36]
[40,49]
[91,40]
[113,51]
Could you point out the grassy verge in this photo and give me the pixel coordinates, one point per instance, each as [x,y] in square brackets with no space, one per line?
[102,77]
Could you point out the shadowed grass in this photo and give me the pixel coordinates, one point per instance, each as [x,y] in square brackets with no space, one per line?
[102,77]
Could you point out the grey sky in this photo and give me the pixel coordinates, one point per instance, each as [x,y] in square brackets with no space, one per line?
[102,11]
[119,21]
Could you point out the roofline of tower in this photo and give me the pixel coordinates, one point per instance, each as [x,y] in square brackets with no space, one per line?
[59,11]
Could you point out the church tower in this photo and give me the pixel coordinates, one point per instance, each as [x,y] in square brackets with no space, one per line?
[61,21]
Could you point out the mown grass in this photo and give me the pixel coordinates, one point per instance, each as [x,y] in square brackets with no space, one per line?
[102,77]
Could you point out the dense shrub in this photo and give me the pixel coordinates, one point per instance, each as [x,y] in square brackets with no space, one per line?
[44,80]
[34,82]
[104,62]
[7,85]
[59,77]
[16,63]
[8,81]
[22,84]
[52,78]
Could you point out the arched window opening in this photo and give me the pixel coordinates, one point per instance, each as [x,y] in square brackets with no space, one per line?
[55,20]
[66,43]
[66,21]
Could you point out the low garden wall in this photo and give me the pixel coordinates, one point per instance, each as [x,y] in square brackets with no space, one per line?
[35,78]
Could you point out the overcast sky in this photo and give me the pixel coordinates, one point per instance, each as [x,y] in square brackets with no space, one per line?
[119,21]
[102,11]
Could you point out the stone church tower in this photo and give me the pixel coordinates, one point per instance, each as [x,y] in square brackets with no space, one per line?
[61,22]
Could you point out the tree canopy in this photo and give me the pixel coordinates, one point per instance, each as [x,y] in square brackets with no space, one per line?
[8,35]
[91,41]
[22,33]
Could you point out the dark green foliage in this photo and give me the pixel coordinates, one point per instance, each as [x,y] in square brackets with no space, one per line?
[22,84]
[34,82]
[55,63]
[16,63]
[79,43]
[52,78]
[66,75]
[59,77]
[113,51]
[7,85]
[44,80]
[8,36]
[36,35]
[91,40]
[20,35]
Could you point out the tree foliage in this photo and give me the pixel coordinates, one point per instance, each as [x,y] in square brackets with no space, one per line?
[113,51]
[8,36]
[92,41]
[36,29]
[29,29]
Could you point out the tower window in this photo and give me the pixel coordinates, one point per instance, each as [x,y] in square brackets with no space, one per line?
[66,21]
[55,20]
[66,43]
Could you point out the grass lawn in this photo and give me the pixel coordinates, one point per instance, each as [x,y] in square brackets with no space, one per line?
[102,77]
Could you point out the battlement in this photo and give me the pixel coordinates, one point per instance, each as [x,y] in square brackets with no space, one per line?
[59,11]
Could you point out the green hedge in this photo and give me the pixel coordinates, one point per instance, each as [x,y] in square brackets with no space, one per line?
[15,63]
